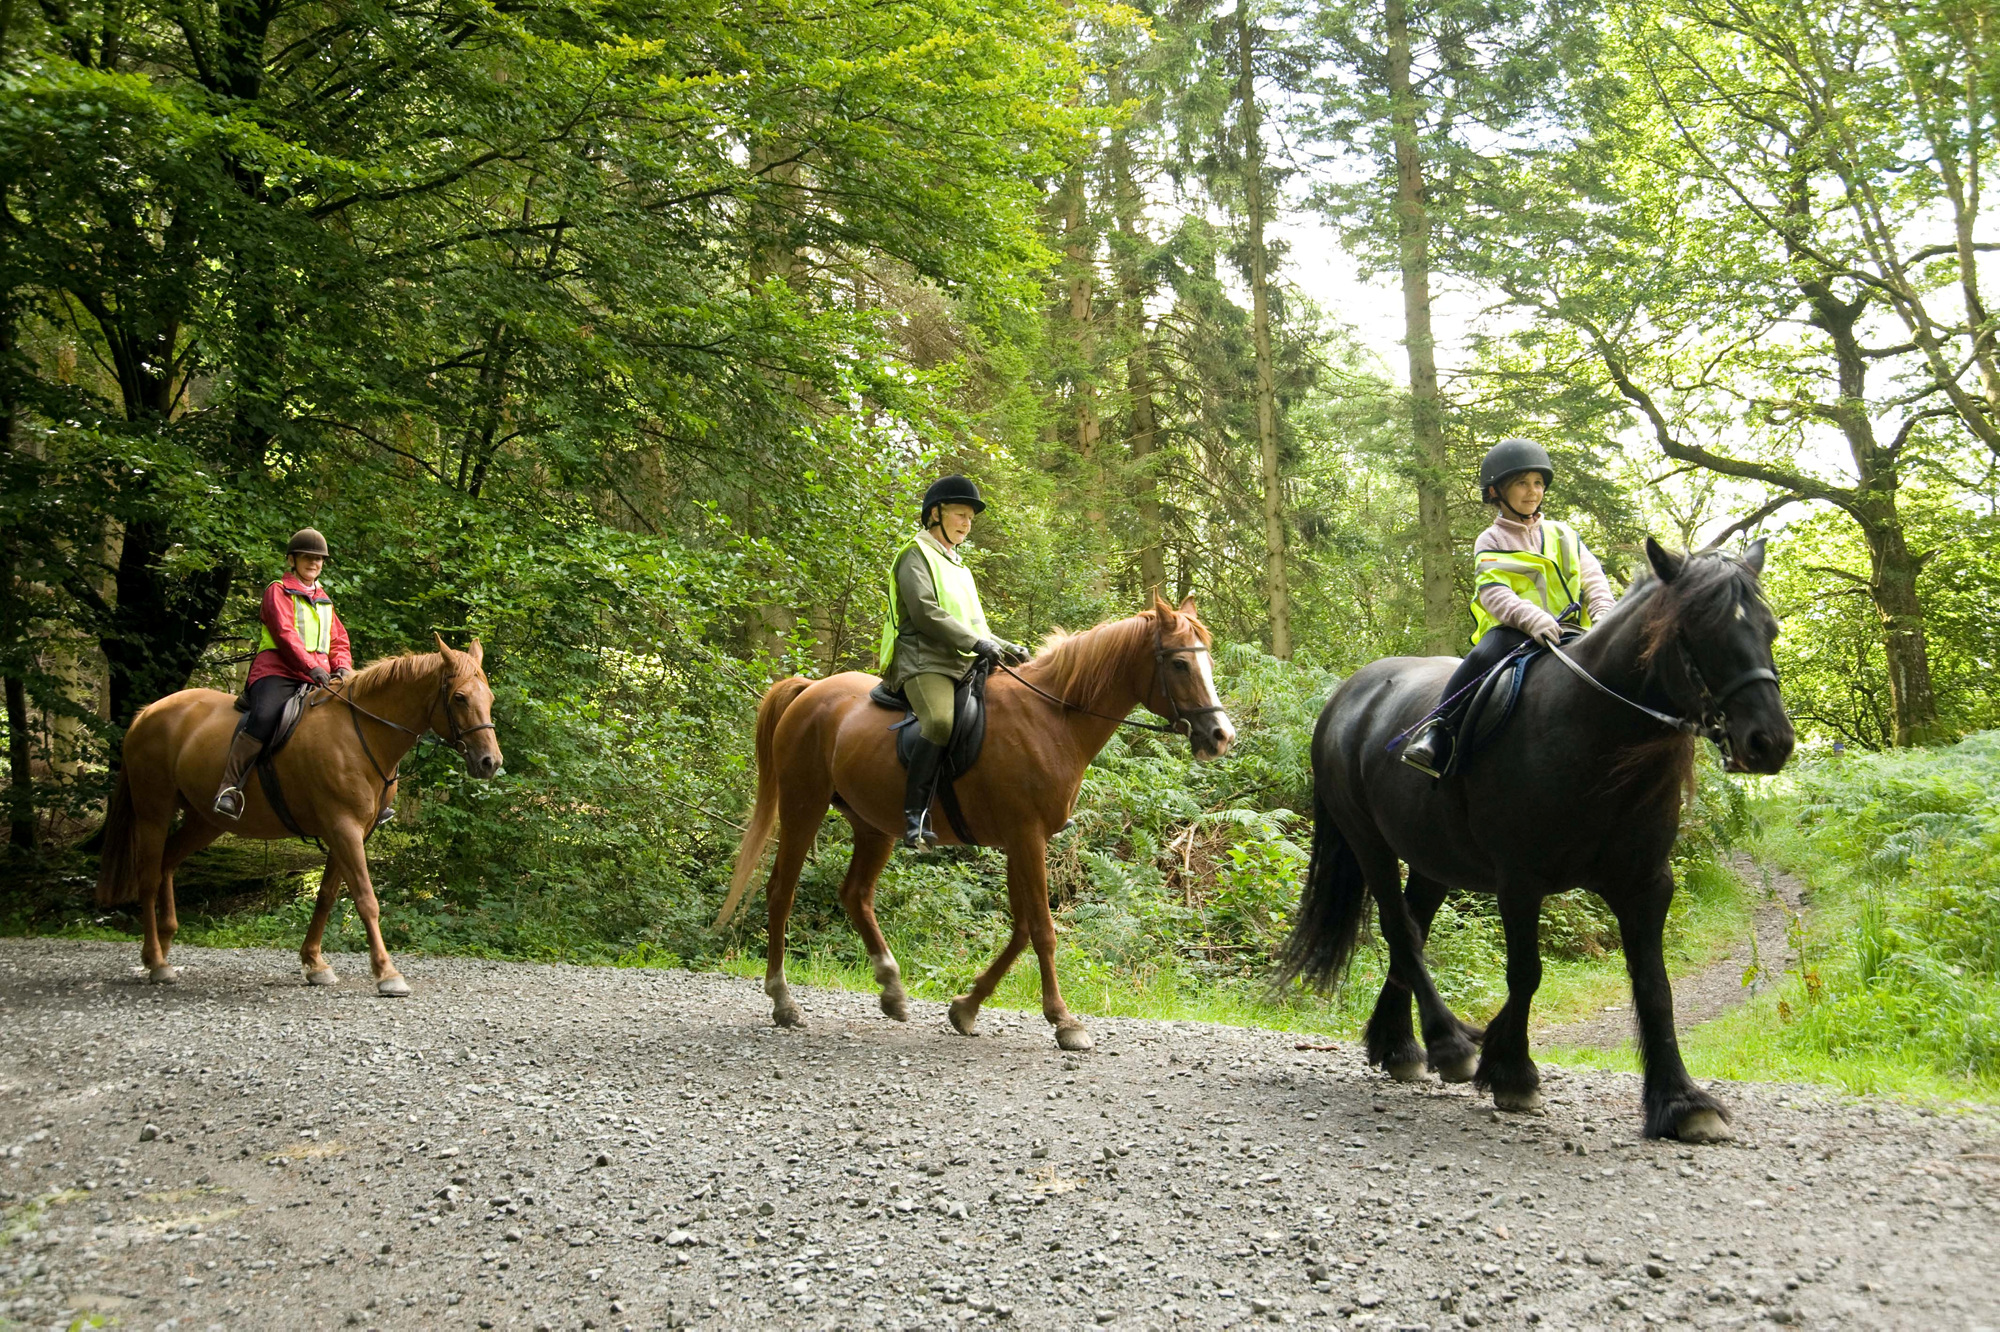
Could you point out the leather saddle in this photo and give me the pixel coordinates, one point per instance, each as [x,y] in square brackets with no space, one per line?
[1493,703]
[968,737]
[267,773]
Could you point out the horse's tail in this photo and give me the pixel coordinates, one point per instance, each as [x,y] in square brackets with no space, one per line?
[116,883]
[1331,910]
[764,814]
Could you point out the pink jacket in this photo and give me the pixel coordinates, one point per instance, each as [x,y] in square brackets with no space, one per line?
[1504,605]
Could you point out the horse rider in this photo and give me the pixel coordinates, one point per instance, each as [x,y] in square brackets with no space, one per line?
[934,631]
[1529,571]
[302,641]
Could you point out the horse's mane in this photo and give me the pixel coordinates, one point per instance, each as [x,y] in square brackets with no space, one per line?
[1083,666]
[392,671]
[1705,594]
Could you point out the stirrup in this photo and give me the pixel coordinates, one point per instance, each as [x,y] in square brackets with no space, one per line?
[388,812]
[1421,751]
[228,803]
[921,838]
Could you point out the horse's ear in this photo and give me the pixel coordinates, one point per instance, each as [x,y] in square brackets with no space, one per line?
[444,649]
[477,652]
[1160,606]
[1667,565]
[1187,604]
[1753,558]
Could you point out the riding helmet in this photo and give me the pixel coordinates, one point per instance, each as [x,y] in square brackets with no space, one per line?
[952,490]
[1510,456]
[307,541]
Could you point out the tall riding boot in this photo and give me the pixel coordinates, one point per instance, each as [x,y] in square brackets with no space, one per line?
[243,751]
[1429,750]
[918,787]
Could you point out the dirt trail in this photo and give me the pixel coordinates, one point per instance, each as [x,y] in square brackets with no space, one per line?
[1718,987]
[563,1147]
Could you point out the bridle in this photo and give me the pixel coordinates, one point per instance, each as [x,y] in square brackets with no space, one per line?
[455,741]
[1178,718]
[1711,722]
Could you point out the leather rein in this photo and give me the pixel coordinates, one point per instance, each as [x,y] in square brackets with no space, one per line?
[1178,722]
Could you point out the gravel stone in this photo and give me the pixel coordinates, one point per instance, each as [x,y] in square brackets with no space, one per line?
[553,1146]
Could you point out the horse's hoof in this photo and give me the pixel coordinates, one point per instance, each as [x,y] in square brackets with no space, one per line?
[1699,1127]
[1460,1069]
[392,987]
[896,1006]
[1412,1072]
[324,976]
[965,1018]
[164,975]
[1519,1103]
[787,1013]
[1071,1036]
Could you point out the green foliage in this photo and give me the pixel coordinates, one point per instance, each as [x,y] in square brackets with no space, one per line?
[1901,968]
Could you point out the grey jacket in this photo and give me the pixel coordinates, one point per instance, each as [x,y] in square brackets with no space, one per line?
[927,639]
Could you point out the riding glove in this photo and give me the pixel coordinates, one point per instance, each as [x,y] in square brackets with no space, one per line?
[319,676]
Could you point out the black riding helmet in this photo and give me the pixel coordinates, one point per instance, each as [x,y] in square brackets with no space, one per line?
[1508,457]
[951,490]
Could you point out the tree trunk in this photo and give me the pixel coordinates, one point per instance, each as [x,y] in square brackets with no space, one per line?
[20,782]
[1893,570]
[1277,589]
[1443,616]
[1079,249]
[1143,437]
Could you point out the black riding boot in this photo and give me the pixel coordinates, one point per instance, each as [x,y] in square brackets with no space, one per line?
[1429,750]
[243,751]
[918,788]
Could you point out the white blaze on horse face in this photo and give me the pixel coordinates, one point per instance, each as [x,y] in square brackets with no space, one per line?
[1213,697]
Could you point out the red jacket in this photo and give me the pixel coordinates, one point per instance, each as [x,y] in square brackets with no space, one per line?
[290,659]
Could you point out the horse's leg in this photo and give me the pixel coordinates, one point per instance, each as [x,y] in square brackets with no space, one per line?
[317,969]
[1389,1040]
[194,834]
[149,848]
[1674,1106]
[1451,1044]
[872,849]
[964,1010]
[798,825]
[1028,891]
[349,861]
[1504,1065]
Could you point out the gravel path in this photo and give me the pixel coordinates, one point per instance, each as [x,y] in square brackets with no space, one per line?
[561,1147]
[1709,993]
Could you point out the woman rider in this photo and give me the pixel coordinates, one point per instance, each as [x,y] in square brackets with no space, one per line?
[933,632]
[1528,571]
[302,640]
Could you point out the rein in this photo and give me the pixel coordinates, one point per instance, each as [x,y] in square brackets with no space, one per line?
[1177,722]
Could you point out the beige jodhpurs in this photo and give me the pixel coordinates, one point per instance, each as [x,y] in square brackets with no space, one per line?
[931,699]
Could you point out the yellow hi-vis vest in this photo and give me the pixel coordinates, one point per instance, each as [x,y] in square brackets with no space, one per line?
[956,595]
[314,621]
[1551,578]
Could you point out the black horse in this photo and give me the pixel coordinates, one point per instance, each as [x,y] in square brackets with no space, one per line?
[1582,789]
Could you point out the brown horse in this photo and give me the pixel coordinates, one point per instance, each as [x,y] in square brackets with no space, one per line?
[823,744]
[335,774]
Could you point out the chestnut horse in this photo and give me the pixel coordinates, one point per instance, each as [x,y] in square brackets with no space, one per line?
[822,743]
[336,773]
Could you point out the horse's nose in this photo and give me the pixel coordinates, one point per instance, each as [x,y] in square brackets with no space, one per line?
[1223,736]
[485,765]
[1765,749]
